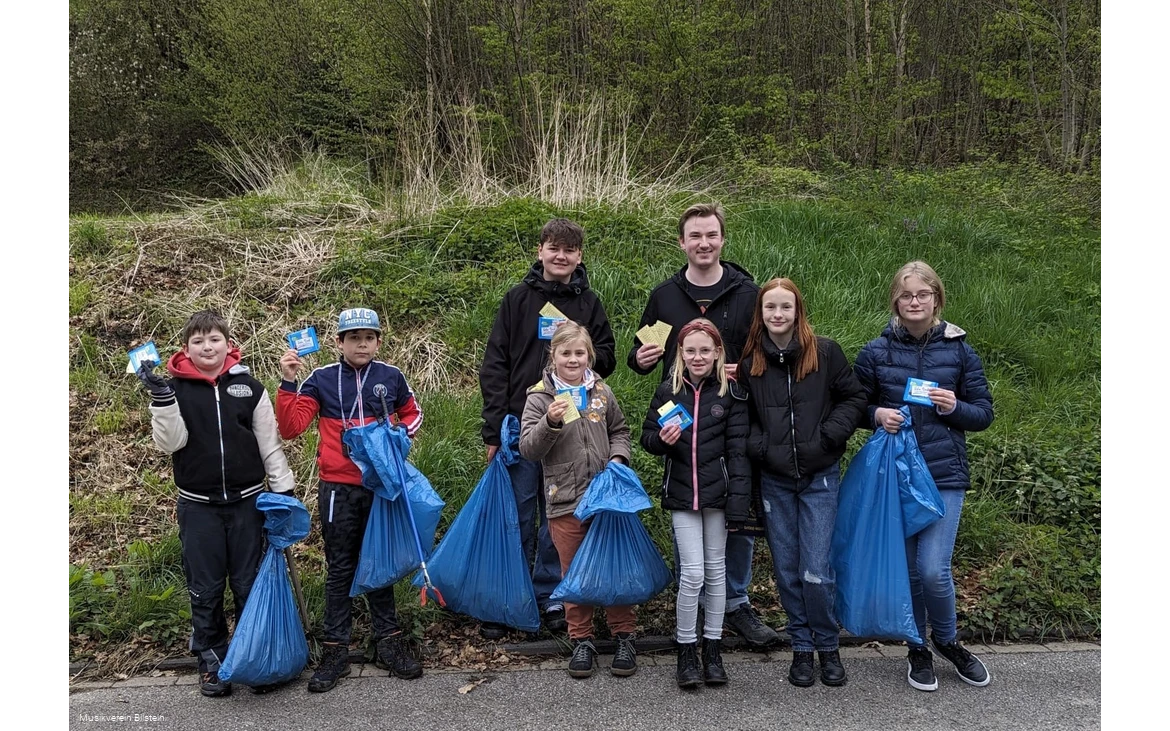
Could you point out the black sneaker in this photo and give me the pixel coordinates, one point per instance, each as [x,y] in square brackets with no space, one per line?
[581,663]
[625,656]
[832,671]
[800,673]
[334,665]
[969,667]
[211,686]
[554,618]
[920,673]
[746,623]
[394,655]
[713,672]
[688,674]
[492,631]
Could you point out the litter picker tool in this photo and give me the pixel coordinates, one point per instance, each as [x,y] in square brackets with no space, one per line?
[296,583]
[422,558]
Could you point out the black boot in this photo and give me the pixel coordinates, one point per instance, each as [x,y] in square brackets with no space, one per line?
[394,655]
[832,671]
[688,674]
[747,624]
[713,672]
[334,665]
[211,686]
[800,673]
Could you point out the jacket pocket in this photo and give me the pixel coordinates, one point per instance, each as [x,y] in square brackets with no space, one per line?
[665,478]
[726,478]
[560,483]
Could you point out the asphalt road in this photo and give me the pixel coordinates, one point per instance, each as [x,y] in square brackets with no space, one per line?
[1032,689]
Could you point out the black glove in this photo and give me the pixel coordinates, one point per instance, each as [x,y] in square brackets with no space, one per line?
[734,525]
[161,394]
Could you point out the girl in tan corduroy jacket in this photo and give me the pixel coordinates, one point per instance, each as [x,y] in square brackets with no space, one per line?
[573,426]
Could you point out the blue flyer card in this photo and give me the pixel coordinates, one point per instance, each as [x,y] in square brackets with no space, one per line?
[304,341]
[546,327]
[578,393]
[146,351]
[678,415]
[916,391]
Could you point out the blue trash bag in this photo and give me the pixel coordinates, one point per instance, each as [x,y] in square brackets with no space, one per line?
[921,502]
[615,488]
[616,565]
[479,566]
[391,547]
[374,448]
[269,645]
[868,551]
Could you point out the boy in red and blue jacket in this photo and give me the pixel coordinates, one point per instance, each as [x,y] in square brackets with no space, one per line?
[340,396]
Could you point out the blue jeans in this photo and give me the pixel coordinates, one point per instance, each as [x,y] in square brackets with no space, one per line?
[798,519]
[528,487]
[931,585]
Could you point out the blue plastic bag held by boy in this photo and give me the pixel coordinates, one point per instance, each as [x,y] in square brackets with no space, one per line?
[617,564]
[479,566]
[399,536]
[876,500]
[269,644]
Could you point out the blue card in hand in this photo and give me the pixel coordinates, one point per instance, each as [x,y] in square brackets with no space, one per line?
[547,327]
[678,415]
[146,351]
[917,390]
[304,341]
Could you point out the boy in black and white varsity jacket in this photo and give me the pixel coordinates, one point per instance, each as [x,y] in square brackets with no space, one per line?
[218,424]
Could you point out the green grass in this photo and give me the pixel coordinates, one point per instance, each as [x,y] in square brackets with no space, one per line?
[1017,248]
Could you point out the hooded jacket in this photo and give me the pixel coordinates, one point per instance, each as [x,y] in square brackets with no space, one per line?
[730,310]
[574,453]
[801,427]
[942,355]
[708,466]
[515,357]
[220,432]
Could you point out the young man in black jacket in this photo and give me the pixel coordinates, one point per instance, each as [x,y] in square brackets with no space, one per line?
[725,294]
[515,356]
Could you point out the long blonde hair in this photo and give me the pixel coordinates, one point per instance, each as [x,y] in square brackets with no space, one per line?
[705,326]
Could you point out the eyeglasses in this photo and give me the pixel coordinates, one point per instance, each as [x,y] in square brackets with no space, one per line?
[922,297]
[703,352]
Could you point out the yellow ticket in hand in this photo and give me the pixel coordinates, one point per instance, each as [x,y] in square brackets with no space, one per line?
[664,409]
[571,414]
[655,334]
[549,310]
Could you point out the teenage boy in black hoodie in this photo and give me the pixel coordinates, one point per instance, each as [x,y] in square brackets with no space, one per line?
[725,294]
[514,359]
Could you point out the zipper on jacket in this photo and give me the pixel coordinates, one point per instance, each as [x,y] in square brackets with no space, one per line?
[695,448]
[222,453]
[792,422]
[332,494]
[666,479]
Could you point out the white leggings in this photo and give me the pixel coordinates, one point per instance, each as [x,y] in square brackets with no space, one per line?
[702,546]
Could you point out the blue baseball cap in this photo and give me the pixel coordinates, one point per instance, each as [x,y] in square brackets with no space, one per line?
[358,318]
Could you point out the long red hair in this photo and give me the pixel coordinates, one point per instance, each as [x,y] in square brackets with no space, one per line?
[807,362]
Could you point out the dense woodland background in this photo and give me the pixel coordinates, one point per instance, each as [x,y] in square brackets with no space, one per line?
[472,88]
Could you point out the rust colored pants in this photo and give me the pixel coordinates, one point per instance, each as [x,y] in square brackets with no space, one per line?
[567,534]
